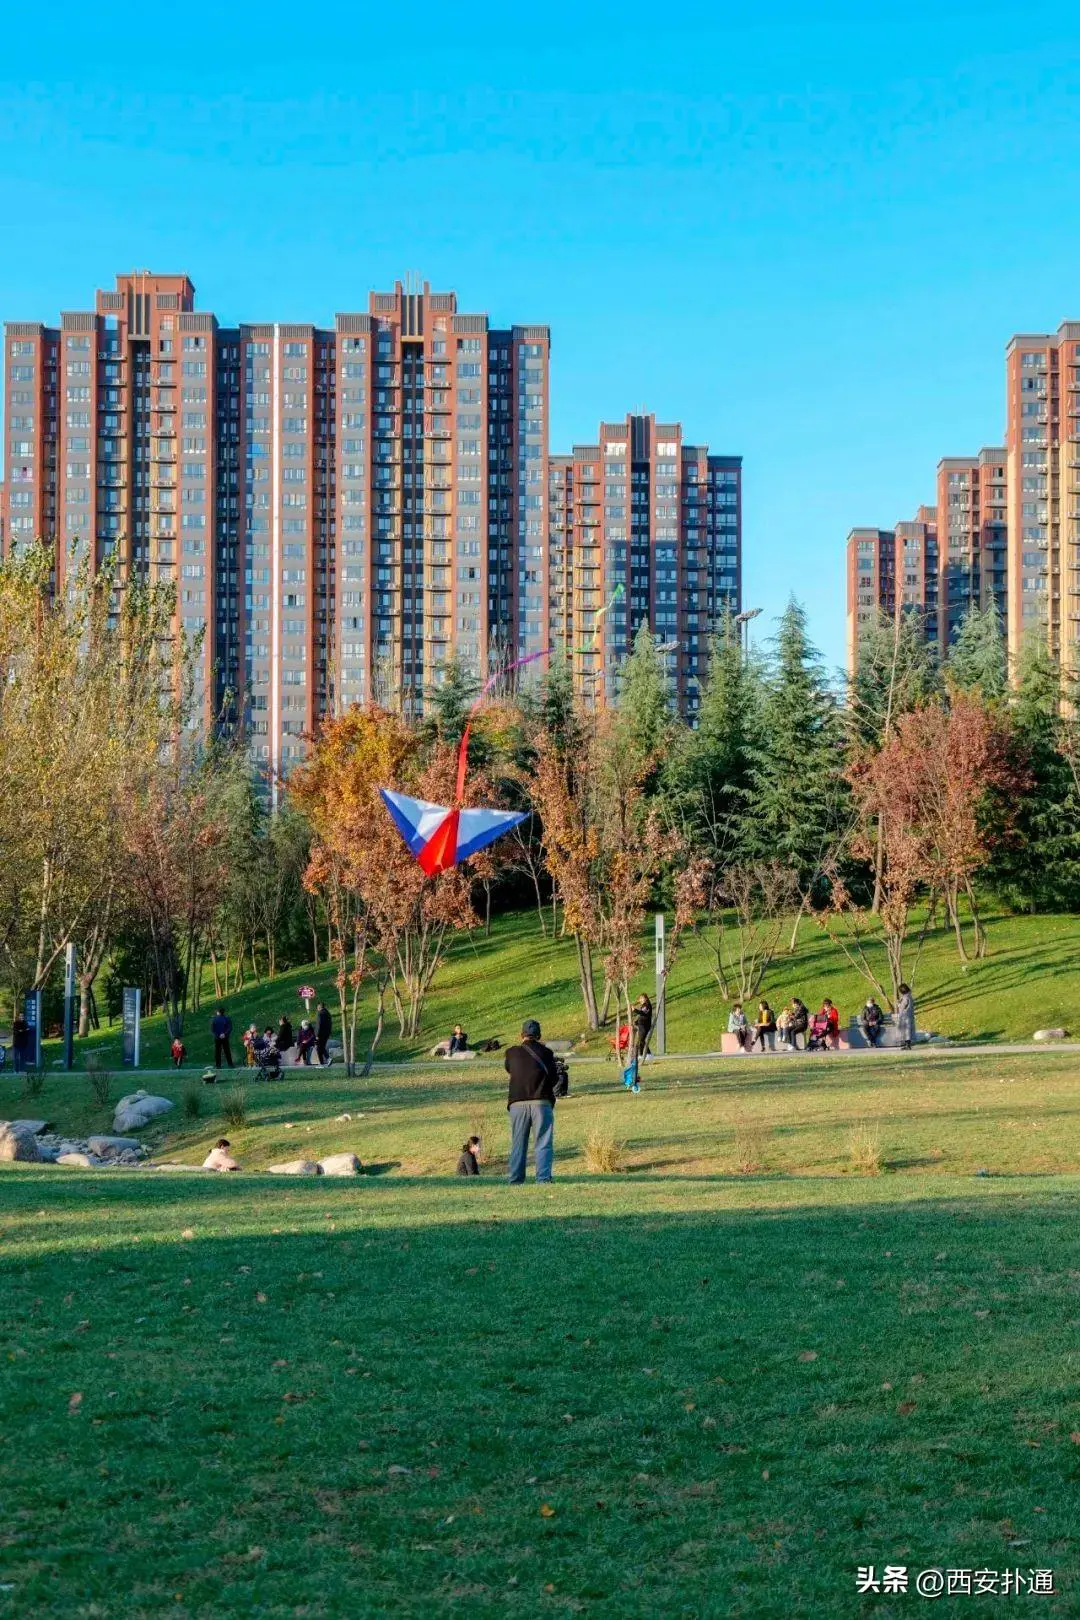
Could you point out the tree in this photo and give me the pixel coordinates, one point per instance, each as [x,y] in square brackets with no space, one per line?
[175,841]
[710,769]
[746,906]
[96,689]
[388,923]
[606,847]
[895,673]
[1038,868]
[978,658]
[645,720]
[797,777]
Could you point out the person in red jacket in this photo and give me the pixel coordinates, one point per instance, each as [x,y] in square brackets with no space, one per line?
[832,1024]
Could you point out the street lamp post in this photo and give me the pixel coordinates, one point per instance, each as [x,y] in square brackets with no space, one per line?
[743,621]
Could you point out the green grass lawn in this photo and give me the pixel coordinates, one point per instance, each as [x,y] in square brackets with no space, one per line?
[1030,978]
[680,1390]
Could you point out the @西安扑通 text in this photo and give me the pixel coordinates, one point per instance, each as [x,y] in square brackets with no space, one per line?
[934,1582]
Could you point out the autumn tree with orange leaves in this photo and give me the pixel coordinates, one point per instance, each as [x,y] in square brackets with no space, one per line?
[931,804]
[606,846]
[389,924]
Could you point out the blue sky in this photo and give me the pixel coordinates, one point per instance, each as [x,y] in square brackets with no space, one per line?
[807,234]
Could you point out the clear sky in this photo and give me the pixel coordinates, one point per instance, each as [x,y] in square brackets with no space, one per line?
[807,232]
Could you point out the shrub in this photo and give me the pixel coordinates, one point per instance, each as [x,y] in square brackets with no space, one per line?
[192,1102]
[234,1107]
[33,1082]
[864,1148]
[603,1155]
[100,1083]
[751,1148]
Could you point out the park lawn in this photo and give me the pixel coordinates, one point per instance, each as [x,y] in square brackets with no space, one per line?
[680,1390]
[1029,979]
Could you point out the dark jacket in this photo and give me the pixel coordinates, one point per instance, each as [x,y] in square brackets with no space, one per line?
[467,1165]
[531,1067]
[20,1034]
[220,1026]
[284,1037]
[324,1025]
[459,1043]
[800,1018]
[643,1019]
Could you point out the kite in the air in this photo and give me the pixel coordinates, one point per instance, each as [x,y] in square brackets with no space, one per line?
[441,835]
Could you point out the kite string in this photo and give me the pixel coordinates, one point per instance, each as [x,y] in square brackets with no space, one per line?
[463,749]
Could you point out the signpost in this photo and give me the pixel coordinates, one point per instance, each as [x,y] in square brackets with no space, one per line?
[306,991]
[660,1031]
[32,1014]
[132,1020]
[69,1006]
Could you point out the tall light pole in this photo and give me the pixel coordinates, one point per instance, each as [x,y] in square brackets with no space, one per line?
[743,620]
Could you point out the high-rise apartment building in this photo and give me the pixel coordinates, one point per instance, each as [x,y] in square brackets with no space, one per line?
[1042,439]
[889,569]
[341,511]
[972,538]
[645,511]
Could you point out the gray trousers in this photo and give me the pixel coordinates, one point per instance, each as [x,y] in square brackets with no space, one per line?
[537,1118]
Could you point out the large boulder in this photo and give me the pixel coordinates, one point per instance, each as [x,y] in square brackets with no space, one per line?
[340,1164]
[112,1146]
[81,1161]
[1044,1035]
[297,1167]
[17,1144]
[32,1127]
[137,1110]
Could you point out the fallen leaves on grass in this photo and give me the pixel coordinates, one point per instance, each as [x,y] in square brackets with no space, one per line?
[807,1355]
[546,1510]
[75,1403]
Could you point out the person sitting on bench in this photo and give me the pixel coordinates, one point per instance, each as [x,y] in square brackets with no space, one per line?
[737,1026]
[872,1022]
[765,1028]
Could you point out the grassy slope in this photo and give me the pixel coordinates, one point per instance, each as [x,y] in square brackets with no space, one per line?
[679,1391]
[1031,978]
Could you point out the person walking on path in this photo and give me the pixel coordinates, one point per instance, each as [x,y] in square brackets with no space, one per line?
[531,1103]
[468,1162]
[905,1017]
[20,1042]
[324,1028]
[221,1030]
[642,1026]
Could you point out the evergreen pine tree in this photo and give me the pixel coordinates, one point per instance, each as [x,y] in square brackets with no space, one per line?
[895,673]
[796,778]
[644,707]
[1039,868]
[709,770]
[977,660]
[447,705]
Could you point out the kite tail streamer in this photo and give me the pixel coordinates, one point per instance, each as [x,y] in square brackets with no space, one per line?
[463,749]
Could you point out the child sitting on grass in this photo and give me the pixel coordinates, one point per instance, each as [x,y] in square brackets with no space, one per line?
[469,1160]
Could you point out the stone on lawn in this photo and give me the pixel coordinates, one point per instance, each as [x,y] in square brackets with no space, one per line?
[137,1110]
[297,1167]
[340,1164]
[105,1145]
[17,1144]
[1050,1035]
[83,1161]
[33,1127]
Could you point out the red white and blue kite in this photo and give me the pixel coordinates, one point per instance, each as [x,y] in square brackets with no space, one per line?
[441,835]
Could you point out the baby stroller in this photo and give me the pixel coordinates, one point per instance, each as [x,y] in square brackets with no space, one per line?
[817,1034]
[267,1062]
